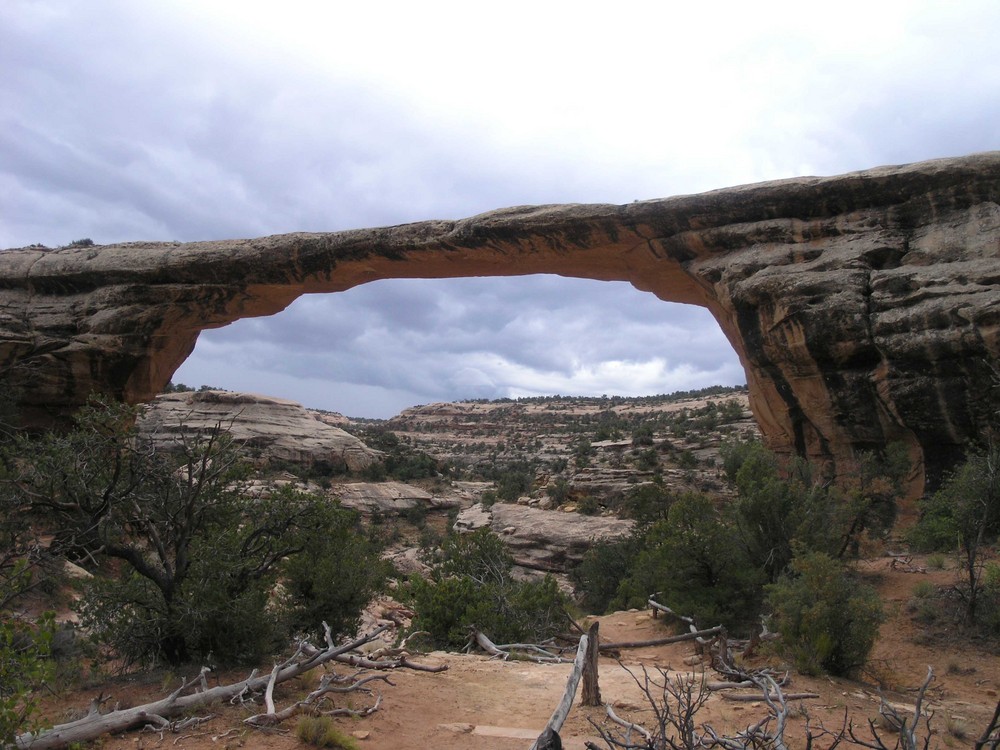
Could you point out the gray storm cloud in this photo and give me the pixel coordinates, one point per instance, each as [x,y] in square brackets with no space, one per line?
[187,121]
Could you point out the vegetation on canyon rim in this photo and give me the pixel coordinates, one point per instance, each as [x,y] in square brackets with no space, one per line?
[187,560]
[778,549]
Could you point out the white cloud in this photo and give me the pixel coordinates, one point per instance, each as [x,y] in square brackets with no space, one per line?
[191,120]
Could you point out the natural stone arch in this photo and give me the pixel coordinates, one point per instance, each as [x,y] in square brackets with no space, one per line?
[865,308]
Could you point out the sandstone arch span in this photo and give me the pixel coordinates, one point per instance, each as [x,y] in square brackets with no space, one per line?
[865,307]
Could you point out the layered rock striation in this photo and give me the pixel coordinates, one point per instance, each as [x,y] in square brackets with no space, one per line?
[550,541]
[267,427]
[865,307]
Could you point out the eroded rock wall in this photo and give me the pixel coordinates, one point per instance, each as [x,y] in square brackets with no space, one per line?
[268,428]
[865,307]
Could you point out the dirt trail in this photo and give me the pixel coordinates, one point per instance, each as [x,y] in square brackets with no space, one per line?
[484,703]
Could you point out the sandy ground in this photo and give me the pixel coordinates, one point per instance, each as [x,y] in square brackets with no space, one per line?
[484,703]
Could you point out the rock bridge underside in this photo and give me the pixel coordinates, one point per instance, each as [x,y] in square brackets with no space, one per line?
[865,307]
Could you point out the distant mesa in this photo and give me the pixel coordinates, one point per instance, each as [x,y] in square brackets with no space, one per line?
[865,308]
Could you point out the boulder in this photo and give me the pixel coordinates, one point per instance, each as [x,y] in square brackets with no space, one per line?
[544,540]
[389,497]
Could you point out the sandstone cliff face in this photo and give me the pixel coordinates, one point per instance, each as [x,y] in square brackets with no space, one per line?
[272,428]
[865,308]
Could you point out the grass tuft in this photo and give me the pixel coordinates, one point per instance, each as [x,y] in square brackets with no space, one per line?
[320,731]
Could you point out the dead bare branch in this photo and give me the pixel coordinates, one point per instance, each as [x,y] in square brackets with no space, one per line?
[909,737]
[631,727]
[549,738]
[990,738]
[327,685]
[754,697]
[699,635]
[530,651]
[96,724]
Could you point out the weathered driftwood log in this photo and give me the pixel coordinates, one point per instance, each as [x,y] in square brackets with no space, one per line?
[754,697]
[550,735]
[158,713]
[329,684]
[696,635]
[530,651]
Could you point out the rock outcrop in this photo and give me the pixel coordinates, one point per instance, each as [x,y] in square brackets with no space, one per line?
[267,427]
[390,497]
[551,541]
[865,308]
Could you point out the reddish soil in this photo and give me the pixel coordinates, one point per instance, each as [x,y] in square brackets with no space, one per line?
[484,703]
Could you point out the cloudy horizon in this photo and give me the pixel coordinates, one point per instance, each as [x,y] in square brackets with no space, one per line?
[184,120]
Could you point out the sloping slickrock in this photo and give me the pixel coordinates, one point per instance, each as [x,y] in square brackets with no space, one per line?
[271,427]
[389,497]
[546,540]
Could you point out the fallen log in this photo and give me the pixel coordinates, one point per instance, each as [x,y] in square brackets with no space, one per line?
[692,636]
[95,724]
[752,697]
[531,651]
[327,685]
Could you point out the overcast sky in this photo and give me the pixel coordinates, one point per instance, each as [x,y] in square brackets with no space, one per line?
[173,120]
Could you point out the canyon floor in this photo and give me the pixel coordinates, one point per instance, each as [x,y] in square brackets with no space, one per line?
[486,703]
[591,447]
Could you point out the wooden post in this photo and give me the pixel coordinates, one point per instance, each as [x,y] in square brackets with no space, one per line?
[591,688]
[549,738]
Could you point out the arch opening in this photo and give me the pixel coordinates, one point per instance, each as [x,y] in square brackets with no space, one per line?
[380,347]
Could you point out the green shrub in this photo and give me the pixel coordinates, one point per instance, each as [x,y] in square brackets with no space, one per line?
[127,612]
[964,515]
[187,559]
[400,460]
[25,668]
[320,731]
[513,480]
[647,502]
[988,606]
[936,561]
[695,561]
[647,459]
[924,590]
[473,587]
[559,491]
[643,435]
[602,570]
[734,453]
[828,620]
[687,460]
[334,576]
[26,647]
[416,515]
